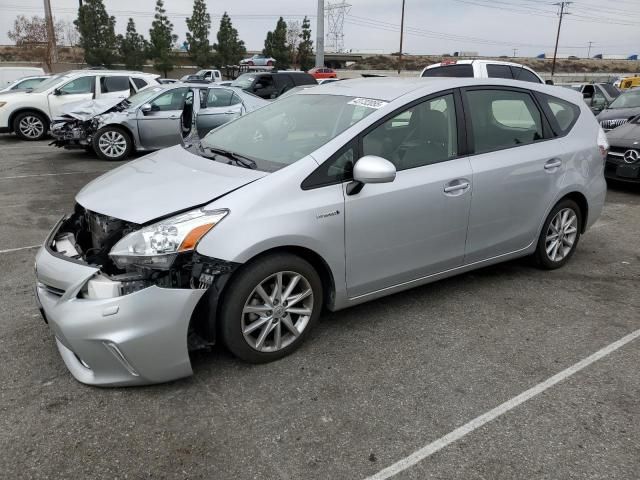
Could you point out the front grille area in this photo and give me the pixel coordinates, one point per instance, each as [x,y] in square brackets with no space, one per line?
[103,228]
[611,124]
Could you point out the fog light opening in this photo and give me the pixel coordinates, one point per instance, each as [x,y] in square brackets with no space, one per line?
[115,351]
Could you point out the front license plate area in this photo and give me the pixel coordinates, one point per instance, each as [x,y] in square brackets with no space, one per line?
[628,171]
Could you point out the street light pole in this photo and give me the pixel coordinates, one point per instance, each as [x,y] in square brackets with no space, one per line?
[589,50]
[401,35]
[320,35]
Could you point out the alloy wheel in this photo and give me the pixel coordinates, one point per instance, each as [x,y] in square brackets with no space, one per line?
[31,126]
[561,234]
[277,311]
[112,143]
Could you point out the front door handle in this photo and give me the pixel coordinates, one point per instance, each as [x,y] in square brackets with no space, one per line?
[456,186]
[553,163]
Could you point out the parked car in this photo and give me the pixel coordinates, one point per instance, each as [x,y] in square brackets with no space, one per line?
[332,197]
[481,69]
[166,81]
[623,159]
[28,114]
[320,73]
[597,95]
[10,74]
[328,80]
[148,120]
[272,84]
[259,60]
[25,83]
[206,74]
[621,110]
[629,82]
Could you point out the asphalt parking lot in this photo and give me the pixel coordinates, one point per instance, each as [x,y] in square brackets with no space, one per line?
[372,385]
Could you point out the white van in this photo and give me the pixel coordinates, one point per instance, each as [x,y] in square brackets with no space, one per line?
[10,74]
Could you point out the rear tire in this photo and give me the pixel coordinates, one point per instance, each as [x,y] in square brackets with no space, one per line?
[269,307]
[559,236]
[112,143]
[31,126]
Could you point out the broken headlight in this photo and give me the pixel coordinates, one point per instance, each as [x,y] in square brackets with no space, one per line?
[157,245]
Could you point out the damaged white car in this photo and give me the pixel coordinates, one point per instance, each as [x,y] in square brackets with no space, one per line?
[152,119]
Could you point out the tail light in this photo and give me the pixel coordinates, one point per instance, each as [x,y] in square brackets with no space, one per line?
[603,143]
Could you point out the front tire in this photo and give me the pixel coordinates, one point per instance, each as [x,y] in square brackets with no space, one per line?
[112,143]
[559,236]
[269,307]
[31,126]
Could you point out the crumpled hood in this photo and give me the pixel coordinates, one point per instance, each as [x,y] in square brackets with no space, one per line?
[618,113]
[624,135]
[162,183]
[86,110]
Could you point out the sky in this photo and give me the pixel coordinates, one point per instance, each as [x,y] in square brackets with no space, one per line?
[489,27]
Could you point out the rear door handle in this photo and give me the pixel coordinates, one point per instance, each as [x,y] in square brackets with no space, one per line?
[456,186]
[553,163]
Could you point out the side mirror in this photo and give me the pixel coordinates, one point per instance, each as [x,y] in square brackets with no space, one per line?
[57,92]
[371,169]
[549,82]
[146,108]
[586,95]
[258,86]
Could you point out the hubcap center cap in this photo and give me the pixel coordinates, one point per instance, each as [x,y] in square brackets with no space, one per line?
[278,311]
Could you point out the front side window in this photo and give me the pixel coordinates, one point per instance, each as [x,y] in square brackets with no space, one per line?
[114,84]
[290,128]
[499,71]
[78,85]
[462,70]
[171,100]
[422,135]
[524,75]
[503,119]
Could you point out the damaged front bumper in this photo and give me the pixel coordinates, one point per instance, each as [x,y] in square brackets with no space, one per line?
[108,333]
[72,133]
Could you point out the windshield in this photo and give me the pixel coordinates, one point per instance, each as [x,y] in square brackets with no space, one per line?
[244,81]
[50,82]
[627,100]
[285,131]
[143,95]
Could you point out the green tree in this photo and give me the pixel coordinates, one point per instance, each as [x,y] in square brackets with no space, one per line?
[275,45]
[305,47]
[132,47]
[97,33]
[161,40]
[230,49]
[199,25]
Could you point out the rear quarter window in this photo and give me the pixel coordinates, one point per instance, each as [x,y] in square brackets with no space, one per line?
[465,70]
[563,114]
[524,75]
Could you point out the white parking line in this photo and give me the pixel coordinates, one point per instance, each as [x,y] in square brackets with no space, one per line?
[477,422]
[9,250]
[47,175]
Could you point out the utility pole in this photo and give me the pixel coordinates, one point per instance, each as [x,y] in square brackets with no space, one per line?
[401,35]
[589,50]
[52,53]
[515,51]
[320,35]
[555,51]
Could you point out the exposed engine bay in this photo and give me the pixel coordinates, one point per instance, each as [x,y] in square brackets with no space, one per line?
[75,128]
[88,237]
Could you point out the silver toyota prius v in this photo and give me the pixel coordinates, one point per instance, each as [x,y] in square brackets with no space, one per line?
[334,196]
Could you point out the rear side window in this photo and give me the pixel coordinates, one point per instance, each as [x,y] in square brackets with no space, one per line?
[219,97]
[565,113]
[139,83]
[503,119]
[524,75]
[114,84]
[465,70]
[303,79]
[499,71]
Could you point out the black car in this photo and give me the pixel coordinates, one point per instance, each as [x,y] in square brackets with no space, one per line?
[620,111]
[272,84]
[623,160]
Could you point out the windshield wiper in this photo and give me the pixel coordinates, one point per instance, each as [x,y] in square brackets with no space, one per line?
[238,159]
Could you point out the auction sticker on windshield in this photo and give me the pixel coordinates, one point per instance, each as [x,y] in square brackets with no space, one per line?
[368,102]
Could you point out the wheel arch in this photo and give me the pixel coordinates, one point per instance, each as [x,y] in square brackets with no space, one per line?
[20,110]
[582,202]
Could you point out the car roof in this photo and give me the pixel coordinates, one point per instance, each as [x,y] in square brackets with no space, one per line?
[108,72]
[391,88]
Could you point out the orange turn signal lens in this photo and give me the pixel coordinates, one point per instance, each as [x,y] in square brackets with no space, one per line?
[194,236]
